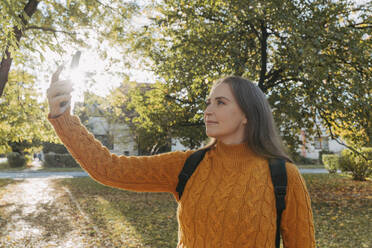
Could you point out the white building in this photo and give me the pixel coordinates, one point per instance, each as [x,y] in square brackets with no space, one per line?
[311,147]
[116,137]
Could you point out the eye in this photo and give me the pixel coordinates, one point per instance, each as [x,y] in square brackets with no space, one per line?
[219,102]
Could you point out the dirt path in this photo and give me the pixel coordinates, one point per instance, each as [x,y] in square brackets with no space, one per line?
[40,213]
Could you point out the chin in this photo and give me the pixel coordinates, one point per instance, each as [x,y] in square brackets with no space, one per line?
[211,134]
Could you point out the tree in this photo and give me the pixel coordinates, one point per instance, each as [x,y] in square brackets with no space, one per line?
[309,57]
[23,121]
[30,28]
[94,105]
[152,135]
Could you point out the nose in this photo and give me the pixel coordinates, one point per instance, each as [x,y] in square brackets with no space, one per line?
[208,110]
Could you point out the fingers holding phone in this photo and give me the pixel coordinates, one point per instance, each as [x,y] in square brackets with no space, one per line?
[59,91]
[59,97]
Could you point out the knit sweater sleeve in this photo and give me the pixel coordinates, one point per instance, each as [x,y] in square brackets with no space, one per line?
[297,224]
[158,173]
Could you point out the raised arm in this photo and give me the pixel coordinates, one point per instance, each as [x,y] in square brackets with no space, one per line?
[158,173]
[147,173]
[297,219]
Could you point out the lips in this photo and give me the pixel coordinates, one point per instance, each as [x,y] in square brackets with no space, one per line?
[211,122]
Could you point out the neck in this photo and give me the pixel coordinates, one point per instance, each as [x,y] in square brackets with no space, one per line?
[238,151]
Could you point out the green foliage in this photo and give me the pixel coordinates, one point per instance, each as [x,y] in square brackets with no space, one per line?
[301,160]
[53,147]
[331,162]
[127,104]
[57,160]
[58,26]
[312,60]
[321,153]
[23,122]
[16,159]
[359,167]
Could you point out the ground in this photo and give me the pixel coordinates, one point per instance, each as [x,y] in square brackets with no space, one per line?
[79,212]
[37,213]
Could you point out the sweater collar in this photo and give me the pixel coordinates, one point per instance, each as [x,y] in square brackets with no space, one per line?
[239,151]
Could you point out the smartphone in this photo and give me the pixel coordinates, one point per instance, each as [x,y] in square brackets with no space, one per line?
[75,60]
[74,64]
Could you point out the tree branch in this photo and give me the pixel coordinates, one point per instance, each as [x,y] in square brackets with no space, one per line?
[263,42]
[50,30]
[358,26]
[273,77]
[6,61]
[334,137]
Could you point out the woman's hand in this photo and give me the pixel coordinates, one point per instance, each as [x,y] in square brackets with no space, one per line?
[59,94]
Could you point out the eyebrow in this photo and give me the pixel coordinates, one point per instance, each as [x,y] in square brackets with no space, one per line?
[219,98]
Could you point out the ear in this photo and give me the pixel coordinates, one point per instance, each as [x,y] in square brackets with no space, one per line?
[244,120]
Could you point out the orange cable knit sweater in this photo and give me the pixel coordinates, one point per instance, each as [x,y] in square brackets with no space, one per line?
[228,202]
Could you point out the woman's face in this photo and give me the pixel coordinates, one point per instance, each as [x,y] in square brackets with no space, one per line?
[224,120]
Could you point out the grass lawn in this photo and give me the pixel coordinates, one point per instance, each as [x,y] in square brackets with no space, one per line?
[127,219]
[341,212]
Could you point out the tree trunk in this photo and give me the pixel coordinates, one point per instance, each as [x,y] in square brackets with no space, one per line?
[6,60]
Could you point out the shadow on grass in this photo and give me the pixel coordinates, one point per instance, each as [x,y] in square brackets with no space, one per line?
[129,219]
[340,205]
[20,226]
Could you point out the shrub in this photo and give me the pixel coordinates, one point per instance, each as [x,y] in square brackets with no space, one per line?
[331,162]
[53,147]
[16,160]
[359,167]
[299,159]
[321,153]
[55,160]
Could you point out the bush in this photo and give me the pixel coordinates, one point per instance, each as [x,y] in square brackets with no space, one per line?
[53,147]
[16,160]
[331,162]
[55,160]
[359,167]
[321,153]
[299,159]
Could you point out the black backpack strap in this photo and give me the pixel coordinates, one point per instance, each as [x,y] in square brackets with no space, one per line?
[279,179]
[188,169]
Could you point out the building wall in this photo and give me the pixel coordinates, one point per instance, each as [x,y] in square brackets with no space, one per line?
[116,137]
[311,149]
[124,144]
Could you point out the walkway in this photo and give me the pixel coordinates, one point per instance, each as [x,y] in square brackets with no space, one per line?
[41,213]
[72,174]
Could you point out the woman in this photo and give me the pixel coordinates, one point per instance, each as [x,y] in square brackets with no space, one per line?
[229,200]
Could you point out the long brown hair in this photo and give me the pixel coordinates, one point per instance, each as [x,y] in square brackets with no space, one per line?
[261,133]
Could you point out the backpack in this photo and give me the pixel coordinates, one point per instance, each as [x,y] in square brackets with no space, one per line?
[278,177]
